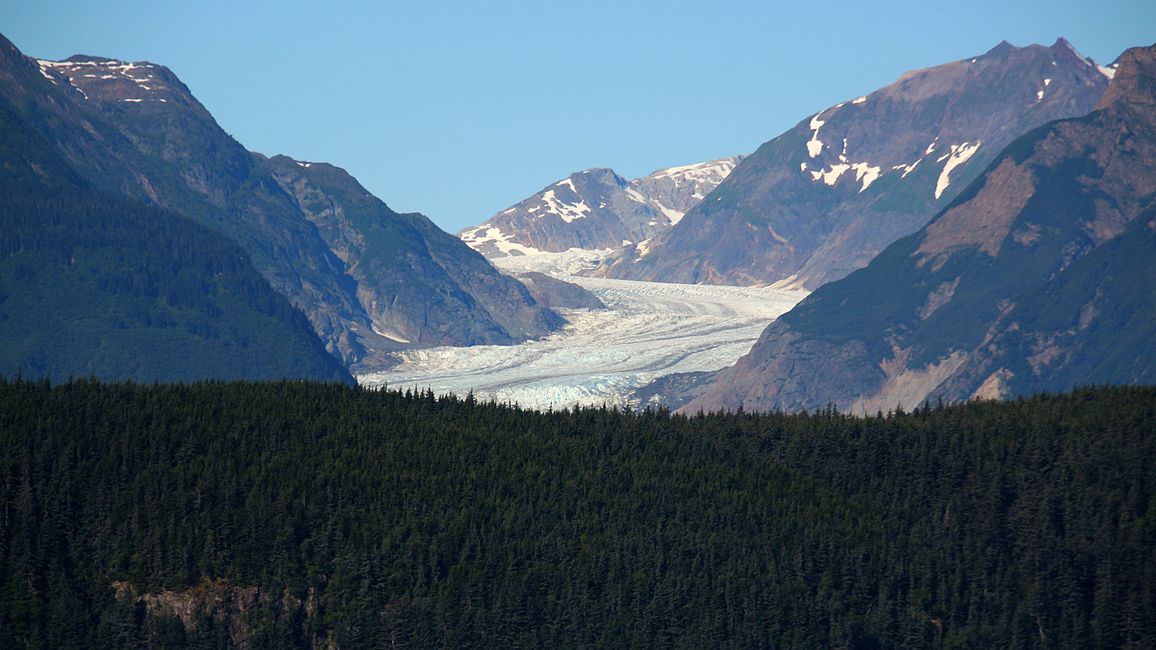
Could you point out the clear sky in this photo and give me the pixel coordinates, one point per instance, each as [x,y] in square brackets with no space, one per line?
[460,109]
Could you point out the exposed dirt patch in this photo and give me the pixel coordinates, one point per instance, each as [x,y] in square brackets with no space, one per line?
[987,218]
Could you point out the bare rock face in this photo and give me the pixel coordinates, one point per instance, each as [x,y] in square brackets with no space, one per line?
[416,284]
[822,199]
[597,209]
[370,281]
[1037,277]
[559,294]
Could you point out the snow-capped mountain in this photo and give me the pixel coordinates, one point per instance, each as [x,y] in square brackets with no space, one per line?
[1037,278]
[598,209]
[822,199]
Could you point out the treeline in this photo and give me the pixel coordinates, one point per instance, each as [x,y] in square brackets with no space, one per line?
[298,514]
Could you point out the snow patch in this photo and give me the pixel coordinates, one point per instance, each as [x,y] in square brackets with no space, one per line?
[1040,93]
[907,169]
[635,195]
[1107,71]
[814,145]
[831,175]
[390,336]
[866,173]
[959,155]
[42,65]
[674,216]
[714,170]
[859,100]
[487,235]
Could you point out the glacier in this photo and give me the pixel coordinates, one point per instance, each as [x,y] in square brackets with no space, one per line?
[648,330]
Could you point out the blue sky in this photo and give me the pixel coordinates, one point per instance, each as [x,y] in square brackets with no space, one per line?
[460,109]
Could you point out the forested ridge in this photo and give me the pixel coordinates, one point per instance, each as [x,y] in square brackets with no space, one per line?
[298,514]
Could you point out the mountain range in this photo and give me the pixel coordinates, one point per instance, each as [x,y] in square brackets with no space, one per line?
[978,229]
[597,209]
[1036,277]
[823,198]
[370,280]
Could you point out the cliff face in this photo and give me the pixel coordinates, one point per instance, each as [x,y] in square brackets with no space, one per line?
[1034,278]
[822,199]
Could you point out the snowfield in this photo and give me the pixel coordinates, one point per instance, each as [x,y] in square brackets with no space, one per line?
[649,330]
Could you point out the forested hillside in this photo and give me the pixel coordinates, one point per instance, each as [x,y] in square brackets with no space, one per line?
[96,286]
[298,514]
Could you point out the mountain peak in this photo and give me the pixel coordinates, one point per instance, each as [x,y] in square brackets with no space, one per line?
[114,81]
[88,58]
[1003,48]
[1064,44]
[1134,83]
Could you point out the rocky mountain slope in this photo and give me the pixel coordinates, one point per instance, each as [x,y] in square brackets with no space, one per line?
[1037,277]
[97,286]
[369,280]
[598,209]
[822,199]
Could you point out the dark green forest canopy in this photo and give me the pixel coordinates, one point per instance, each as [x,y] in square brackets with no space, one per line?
[287,514]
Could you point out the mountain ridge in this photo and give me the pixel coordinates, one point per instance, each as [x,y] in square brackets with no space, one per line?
[134,129]
[1023,283]
[92,285]
[821,199]
[596,209]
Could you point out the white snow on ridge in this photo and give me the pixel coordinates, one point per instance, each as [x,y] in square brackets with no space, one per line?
[42,65]
[487,235]
[566,182]
[72,71]
[713,171]
[649,330]
[959,154]
[1107,71]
